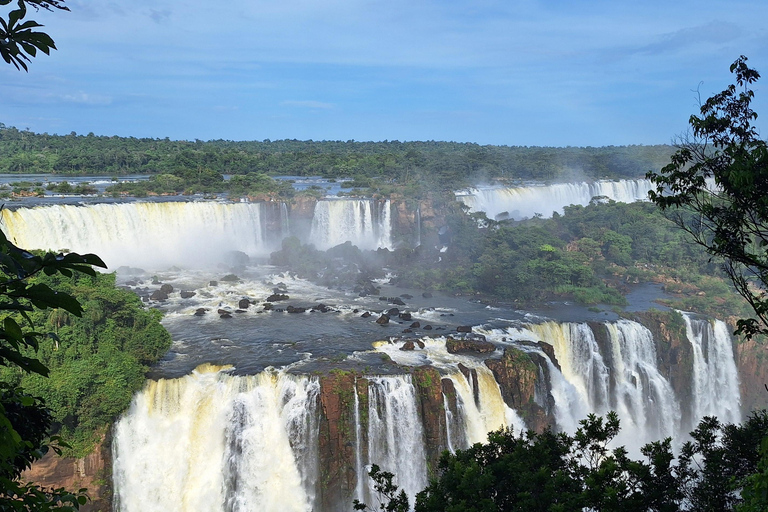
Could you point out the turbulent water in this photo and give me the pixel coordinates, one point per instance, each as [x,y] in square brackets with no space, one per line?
[527,201]
[246,434]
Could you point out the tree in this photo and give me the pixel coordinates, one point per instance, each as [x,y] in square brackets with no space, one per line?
[716,189]
[24,419]
[719,470]
[18,38]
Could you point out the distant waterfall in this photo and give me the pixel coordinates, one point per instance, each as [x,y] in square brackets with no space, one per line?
[715,385]
[525,202]
[144,234]
[211,442]
[365,223]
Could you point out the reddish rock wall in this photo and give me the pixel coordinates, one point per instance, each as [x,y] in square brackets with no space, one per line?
[93,472]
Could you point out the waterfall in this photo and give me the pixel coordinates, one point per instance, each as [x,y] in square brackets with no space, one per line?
[623,377]
[580,361]
[715,386]
[365,223]
[525,202]
[395,435]
[481,406]
[144,234]
[211,442]
[643,398]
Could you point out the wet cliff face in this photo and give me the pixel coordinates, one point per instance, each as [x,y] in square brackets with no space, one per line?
[674,352]
[752,361]
[92,472]
[518,376]
[429,389]
[338,476]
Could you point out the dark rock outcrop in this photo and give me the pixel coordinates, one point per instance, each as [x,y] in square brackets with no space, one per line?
[469,346]
[382,320]
[337,442]
[243,303]
[517,375]
[430,392]
[187,294]
[158,295]
[276,297]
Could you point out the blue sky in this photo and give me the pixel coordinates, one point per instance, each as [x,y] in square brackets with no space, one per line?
[543,73]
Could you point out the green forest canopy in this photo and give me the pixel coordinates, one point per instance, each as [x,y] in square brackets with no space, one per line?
[446,163]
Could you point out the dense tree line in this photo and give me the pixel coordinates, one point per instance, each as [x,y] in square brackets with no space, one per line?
[717,470]
[430,163]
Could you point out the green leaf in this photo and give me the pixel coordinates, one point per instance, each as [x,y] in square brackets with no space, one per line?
[12,328]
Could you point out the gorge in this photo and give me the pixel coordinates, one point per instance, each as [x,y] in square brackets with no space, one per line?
[268,408]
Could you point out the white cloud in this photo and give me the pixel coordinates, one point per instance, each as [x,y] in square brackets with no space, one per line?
[84,98]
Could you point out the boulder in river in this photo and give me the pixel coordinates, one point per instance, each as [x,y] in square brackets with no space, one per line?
[455,346]
[243,303]
[275,297]
[382,320]
[187,294]
[159,295]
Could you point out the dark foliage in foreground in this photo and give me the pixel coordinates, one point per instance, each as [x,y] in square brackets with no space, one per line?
[556,472]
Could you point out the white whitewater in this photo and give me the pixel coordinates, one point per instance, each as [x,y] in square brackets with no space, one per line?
[526,202]
[395,433]
[482,410]
[643,398]
[626,380]
[152,235]
[365,223]
[213,442]
[715,386]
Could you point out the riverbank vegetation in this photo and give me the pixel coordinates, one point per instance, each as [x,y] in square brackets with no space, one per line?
[591,254]
[96,361]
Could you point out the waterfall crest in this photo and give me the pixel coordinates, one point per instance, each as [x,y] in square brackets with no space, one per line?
[525,202]
[150,234]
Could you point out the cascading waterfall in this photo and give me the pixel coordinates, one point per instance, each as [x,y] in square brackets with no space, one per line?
[525,202]
[210,441]
[365,223]
[395,435]
[144,234]
[643,398]
[481,407]
[715,386]
[580,361]
[624,378]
